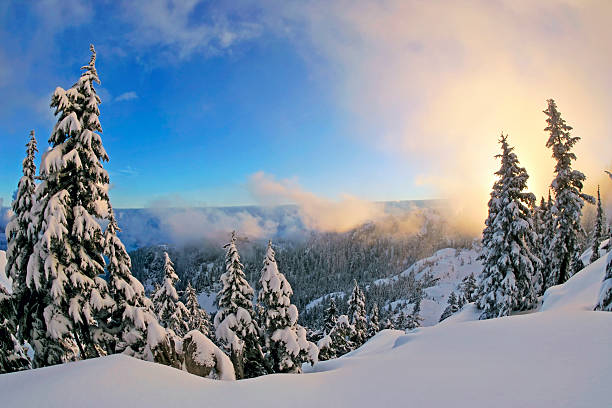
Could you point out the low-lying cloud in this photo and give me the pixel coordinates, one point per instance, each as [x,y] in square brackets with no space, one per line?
[437,82]
[316,213]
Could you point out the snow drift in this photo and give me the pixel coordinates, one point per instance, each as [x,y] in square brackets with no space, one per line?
[555,358]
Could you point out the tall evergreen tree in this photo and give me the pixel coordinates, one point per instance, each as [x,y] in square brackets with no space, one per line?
[508,260]
[171,312]
[235,326]
[599,230]
[18,231]
[545,253]
[28,307]
[286,344]
[373,323]
[133,316]
[198,317]
[569,199]
[67,259]
[357,314]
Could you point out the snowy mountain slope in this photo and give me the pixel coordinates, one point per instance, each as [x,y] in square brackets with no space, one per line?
[208,301]
[555,358]
[338,296]
[449,266]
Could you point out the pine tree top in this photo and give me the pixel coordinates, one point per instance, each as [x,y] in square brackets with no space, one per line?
[275,289]
[236,291]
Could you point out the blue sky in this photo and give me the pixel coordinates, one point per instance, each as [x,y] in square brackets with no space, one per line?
[381,100]
[188,127]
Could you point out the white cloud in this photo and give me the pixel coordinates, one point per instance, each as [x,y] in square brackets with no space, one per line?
[182,28]
[436,82]
[126,96]
[317,213]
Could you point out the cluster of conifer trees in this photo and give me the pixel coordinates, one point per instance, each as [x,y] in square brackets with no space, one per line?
[527,248]
[73,295]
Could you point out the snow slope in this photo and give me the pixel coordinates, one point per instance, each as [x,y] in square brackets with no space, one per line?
[450,266]
[208,302]
[559,357]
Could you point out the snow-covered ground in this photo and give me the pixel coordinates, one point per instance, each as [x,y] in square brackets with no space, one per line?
[559,357]
[208,301]
[450,266]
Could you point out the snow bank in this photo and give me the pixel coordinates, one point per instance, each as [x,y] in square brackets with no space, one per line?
[580,292]
[556,358]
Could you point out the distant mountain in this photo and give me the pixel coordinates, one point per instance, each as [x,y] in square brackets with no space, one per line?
[143,227]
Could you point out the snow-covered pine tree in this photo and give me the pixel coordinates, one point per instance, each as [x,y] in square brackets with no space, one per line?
[286,344]
[414,320]
[357,314]
[598,229]
[508,260]
[469,288]
[537,215]
[235,327]
[545,245]
[342,336]
[400,322]
[171,312]
[494,206]
[133,316]
[453,306]
[461,301]
[198,317]
[373,322]
[12,355]
[327,349]
[331,317]
[18,232]
[28,317]
[67,259]
[605,294]
[569,199]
